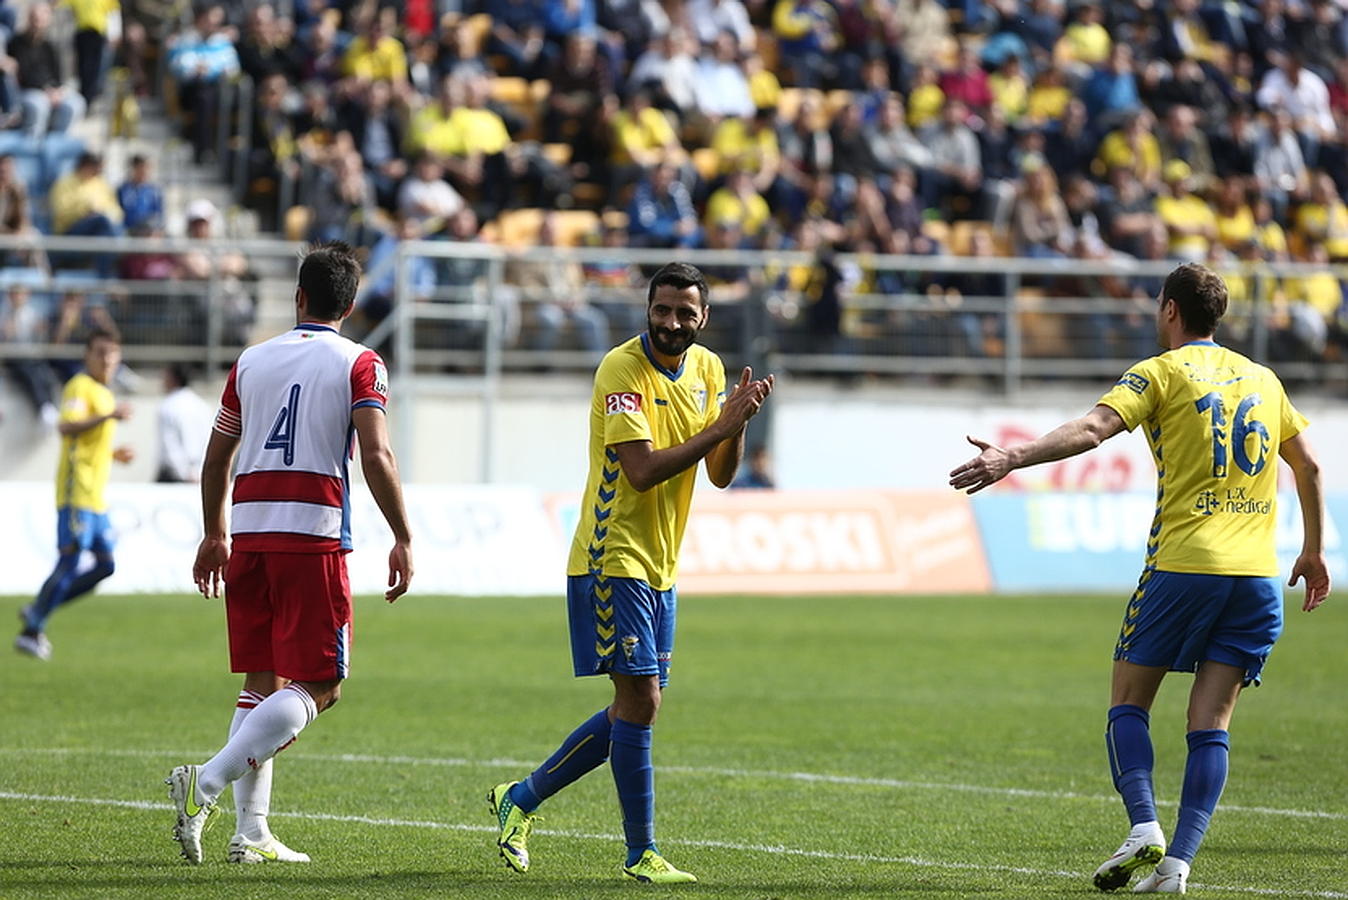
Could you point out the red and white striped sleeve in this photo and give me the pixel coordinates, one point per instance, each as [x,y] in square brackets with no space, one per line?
[369,381]
[229,420]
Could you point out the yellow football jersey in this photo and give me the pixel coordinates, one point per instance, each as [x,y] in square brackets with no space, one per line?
[1214,421]
[622,532]
[86,457]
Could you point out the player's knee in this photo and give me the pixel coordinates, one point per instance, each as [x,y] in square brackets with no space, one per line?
[104,567]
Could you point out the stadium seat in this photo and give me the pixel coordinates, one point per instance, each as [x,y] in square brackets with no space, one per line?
[834,102]
[295,222]
[519,227]
[510,91]
[707,162]
[557,154]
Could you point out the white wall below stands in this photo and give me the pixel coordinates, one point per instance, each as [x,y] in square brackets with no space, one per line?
[822,437]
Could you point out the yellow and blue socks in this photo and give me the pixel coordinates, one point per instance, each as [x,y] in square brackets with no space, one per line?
[634,775]
[584,750]
[1204,778]
[1128,740]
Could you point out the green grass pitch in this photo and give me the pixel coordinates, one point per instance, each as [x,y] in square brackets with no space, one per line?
[809,748]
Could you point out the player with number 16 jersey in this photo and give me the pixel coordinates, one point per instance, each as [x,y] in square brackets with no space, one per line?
[1214,421]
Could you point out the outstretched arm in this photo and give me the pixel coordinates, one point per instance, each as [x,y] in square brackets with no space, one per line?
[381,474]
[1068,439]
[1311,563]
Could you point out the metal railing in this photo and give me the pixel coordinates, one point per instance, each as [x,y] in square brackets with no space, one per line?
[458,316]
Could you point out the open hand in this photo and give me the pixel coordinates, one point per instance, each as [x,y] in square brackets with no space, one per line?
[987,468]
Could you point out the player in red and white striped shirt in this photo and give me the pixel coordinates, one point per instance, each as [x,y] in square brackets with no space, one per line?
[293,409]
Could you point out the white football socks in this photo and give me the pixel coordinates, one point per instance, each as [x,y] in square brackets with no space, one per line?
[263,732]
[252,790]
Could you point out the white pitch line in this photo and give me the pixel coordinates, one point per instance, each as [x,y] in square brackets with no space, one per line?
[771,849]
[807,777]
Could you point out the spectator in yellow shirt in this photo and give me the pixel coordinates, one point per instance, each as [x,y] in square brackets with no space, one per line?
[1316,302]
[1085,43]
[377,55]
[1187,217]
[1132,147]
[83,203]
[1048,97]
[642,138]
[737,202]
[925,100]
[1324,219]
[479,149]
[1235,219]
[430,130]
[1010,89]
[750,145]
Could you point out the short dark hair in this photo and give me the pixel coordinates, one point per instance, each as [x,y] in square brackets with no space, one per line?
[102,334]
[329,276]
[679,275]
[181,373]
[1200,294]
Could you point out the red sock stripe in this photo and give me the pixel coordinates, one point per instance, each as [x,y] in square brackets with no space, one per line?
[249,699]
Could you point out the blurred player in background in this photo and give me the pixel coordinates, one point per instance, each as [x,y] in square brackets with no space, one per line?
[89,414]
[290,407]
[1209,600]
[659,407]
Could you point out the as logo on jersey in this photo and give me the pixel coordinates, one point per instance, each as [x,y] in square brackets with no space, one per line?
[380,379]
[1134,382]
[625,402]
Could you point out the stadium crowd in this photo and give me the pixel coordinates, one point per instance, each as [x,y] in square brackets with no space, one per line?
[1172,130]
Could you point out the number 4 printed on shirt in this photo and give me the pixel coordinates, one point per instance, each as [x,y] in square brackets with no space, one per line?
[282,436]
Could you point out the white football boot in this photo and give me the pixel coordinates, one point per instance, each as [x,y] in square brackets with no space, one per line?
[1169,877]
[1144,846]
[242,850]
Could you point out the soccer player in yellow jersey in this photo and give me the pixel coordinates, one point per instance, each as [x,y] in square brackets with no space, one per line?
[1209,600]
[89,413]
[659,408]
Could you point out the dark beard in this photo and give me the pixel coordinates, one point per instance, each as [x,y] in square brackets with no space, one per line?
[671,344]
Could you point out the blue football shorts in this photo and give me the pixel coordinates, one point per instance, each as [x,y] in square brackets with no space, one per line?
[1180,620]
[620,625]
[83,529]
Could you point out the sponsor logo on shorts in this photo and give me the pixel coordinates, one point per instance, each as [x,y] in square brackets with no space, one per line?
[1135,382]
[630,646]
[624,402]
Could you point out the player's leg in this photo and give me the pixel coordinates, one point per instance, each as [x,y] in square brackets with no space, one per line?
[1128,743]
[253,840]
[311,646]
[1211,703]
[1151,639]
[32,637]
[100,542]
[1234,652]
[645,632]
[584,750]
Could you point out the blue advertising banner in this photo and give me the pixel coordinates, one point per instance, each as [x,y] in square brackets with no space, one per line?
[1096,542]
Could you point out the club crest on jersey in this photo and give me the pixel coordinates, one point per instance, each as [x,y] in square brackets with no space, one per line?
[380,379]
[630,645]
[700,398]
[1134,382]
[624,402]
